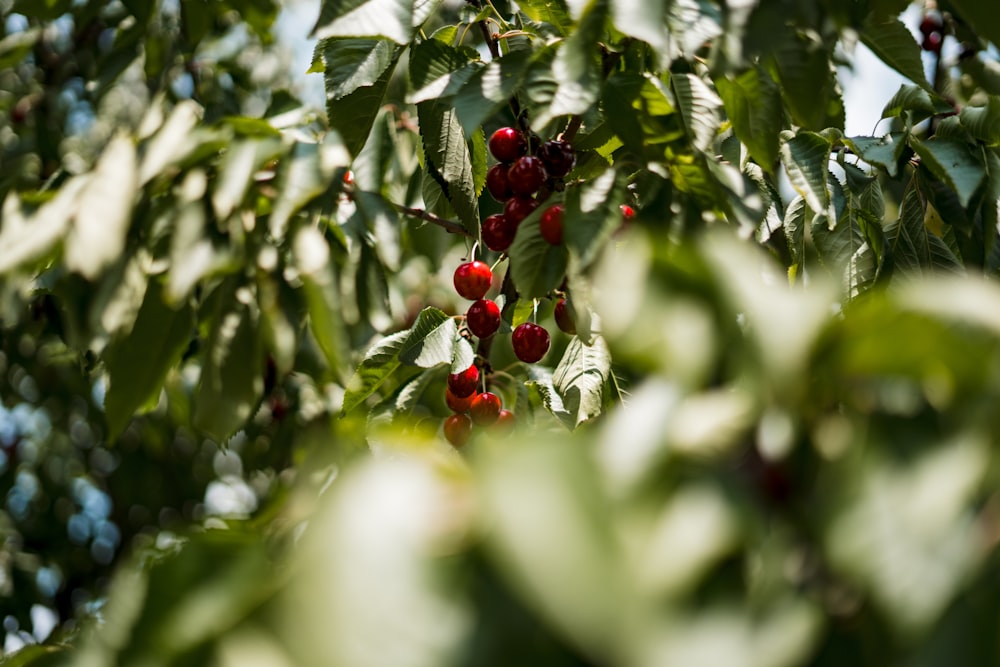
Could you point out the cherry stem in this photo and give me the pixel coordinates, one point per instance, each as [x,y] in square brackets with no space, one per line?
[448,225]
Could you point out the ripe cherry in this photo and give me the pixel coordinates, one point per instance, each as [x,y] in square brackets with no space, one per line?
[464,383]
[558,156]
[932,42]
[473,279]
[530,342]
[564,317]
[458,403]
[485,409]
[526,176]
[931,23]
[496,182]
[551,224]
[483,318]
[498,232]
[507,144]
[518,208]
[505,422]
[457,429]
[627,211]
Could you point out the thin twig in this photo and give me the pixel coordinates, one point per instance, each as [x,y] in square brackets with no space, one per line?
[448,225]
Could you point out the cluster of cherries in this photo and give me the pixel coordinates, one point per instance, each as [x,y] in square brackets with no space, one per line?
[932,29]
[524,176]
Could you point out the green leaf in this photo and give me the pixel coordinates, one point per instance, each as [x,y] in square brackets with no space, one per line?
[953,162]
[236,171]
[446,149]
[884,151]
[893,43]
[139,359]
[349,64]
[842,245]
[388,354]
[913,246]
[392,19]
[919,102]
[536,266]
[591,215]
[305,174]
[794,223]
[172,142]
[644,20]
[323,299]
[438,70]
[97,237]
[753,104]
[980,17]
[808,85]
[16,46]
[490,88]
[699,107]
[28,238]
[354,114]
[581,376]
[806,156]
[576,70]
[232,362]
[983,122]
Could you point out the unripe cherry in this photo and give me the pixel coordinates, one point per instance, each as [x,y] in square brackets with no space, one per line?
[473,279]
[530,342]
[483,318]
[463,384]
[485,409]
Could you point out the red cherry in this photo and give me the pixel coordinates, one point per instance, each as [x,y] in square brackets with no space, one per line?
[526,176]
[505,422]
[551,224]
[458,403]
[932,43]
[931,23]
[627,211]
[507,144]
[530,342]
[473,279]
[349,177]
[518,208]
[485,409]
[564,317]
[463,384]
[496,182]
[457,429]
[498,232]
[558,156]
[483,318]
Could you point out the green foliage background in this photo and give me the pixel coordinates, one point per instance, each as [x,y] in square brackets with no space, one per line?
[222,363]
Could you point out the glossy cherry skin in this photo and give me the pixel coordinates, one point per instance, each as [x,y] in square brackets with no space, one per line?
[558,156]
[505,422]
[564,317]
[507,144]
[530,342]
[498,232]
[458,403]
[473,279]
[518,208]
[458,429]
[464,384]
[551,224]
[483,318]
[526,176]
[496,182]
[485,409]
[627,211]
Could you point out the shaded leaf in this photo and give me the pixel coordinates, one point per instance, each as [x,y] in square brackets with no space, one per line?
[581,376]
[953,162]
[914,247]
[536,266]
[894,44]
[753,105]
[806,156]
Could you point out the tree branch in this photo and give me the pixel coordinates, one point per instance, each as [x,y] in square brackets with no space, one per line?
[448,225]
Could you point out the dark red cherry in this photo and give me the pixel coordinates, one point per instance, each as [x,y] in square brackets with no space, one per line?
[551,224]
[483,318]
[496,182]
[507,144]
[485,409]
[498,232]
[558,156]
[526,176]
[530,342]
[518,208]
[564,317]
[458,429]
[464,384]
